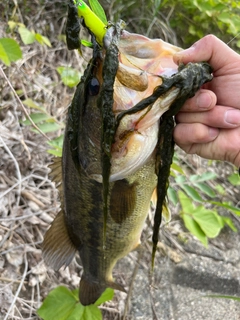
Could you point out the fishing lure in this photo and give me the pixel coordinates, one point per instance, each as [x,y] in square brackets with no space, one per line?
[91,20]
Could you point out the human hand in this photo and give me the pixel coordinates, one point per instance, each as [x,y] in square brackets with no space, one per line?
[209,123]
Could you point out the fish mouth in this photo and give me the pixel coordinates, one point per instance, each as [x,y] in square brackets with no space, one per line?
[142,62]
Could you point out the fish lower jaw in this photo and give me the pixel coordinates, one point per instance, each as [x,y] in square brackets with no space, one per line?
[136,155]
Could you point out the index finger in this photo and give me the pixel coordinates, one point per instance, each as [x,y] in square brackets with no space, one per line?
[203,100]
[210,49]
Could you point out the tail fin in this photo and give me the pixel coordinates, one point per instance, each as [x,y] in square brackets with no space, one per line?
[90,291]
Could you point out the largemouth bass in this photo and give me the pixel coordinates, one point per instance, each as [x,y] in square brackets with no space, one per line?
[118,149]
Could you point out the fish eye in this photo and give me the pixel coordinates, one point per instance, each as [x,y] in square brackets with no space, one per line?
[93,87]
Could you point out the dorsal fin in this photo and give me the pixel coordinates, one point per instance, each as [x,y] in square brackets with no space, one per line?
[58,249]
[56,170]
[56,175]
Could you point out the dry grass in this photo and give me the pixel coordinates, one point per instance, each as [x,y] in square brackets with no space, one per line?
[28,199]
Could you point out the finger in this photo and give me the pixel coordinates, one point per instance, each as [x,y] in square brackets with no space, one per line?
[218,117]
[187,134]
[225,147]
[203,100]
[210,49]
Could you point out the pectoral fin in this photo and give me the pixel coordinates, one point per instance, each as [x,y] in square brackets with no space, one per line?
[58,250]
[166,213]
[122,200]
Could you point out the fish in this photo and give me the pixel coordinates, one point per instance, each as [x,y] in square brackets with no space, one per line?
[117,151]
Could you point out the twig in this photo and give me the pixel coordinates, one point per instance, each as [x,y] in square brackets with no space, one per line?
[17,168]
[26,216]
[237,35]
[44,179]
[31,197]
[109,309]
[32,301]
[21,104]
[140,254]
[11,280]
[19,287]
[20,246]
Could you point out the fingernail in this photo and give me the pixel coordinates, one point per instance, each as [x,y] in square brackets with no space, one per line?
[185,52]
[178,56]
[213,133]
[204,100]
[232,116]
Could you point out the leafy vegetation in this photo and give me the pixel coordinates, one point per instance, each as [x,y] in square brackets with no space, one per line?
[9,51]
[198,211]
[70,76]
[190,20]
[63,304]
[28,36]
[194,19]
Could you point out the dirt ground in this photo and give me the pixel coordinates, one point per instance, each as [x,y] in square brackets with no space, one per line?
[28,198]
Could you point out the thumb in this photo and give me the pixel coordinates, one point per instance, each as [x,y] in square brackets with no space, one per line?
[210,49]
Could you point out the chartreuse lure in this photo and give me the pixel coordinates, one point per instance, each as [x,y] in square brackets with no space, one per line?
[96,25]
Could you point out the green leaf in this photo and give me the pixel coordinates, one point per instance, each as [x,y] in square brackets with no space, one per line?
[186,203]
[48,127]
[98,10]
[86,43]
[59,305]
[227,206]
[9,51]
[206,189]
[106,295]
[36,118]
[217,296]
[180,179]
[56,152]
[27,36]
[234,179]
[42,40]
[203,177]
[191,192]
[177,168]
[172,194]
[63,304]
[220,7]
[194,177]
[12,24]
[57,144]
[75,292]
[194,228]
[69,76]
[77,312]
[208,221]
[220,189]
[173,174]
[203,6]
[31,104]
[91,313]
[228,221]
